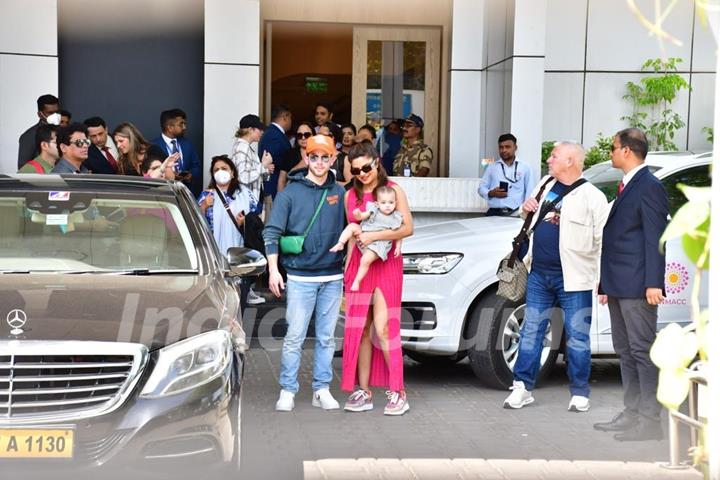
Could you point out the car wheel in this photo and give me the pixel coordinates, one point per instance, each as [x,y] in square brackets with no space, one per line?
[494,337]
[435,360]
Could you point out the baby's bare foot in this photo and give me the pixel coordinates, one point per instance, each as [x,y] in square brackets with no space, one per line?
[338,247]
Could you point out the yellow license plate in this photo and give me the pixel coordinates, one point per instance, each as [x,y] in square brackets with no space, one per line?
[16,443]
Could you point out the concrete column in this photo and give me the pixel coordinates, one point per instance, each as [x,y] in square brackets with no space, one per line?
[232,70]
[528,76]
[466,86]
[28,69]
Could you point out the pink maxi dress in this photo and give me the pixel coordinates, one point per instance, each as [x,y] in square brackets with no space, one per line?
[387,277]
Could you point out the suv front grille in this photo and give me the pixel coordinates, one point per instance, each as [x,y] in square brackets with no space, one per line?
[65,380]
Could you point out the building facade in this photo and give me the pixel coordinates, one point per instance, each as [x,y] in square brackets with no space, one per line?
[542,69]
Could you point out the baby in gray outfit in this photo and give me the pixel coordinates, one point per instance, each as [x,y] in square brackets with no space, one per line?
[379,215]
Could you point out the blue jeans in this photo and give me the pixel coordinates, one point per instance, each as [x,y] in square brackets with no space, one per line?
[302,299]
[544,291]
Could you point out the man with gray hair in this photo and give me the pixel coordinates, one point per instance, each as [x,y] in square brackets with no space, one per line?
[562,258]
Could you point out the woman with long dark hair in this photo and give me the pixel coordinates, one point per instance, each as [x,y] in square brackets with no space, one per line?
[372,352]
[223,177]
[342,165]
[294,160]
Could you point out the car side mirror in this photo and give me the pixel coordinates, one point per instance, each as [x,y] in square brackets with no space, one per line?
[245,262]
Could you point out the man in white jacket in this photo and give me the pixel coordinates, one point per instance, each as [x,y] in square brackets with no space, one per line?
[563,259]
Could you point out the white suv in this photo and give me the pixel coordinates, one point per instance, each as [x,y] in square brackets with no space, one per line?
[450,309]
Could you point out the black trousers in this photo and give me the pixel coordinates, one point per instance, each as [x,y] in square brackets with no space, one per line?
[634,326]
[244,288]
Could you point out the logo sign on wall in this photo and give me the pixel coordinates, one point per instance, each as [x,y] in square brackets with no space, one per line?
[677,278]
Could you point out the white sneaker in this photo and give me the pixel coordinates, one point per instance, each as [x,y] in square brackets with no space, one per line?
[324,399]
[254,299]
[579,404]
[519,396]
[286,402]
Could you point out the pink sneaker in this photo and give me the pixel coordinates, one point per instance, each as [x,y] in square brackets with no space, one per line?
[397,403]
[359,401]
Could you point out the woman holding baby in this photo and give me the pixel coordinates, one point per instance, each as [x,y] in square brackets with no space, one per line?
[372,352]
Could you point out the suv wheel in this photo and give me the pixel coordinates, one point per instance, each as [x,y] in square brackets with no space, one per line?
[494,340]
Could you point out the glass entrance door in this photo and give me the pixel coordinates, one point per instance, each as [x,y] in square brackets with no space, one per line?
[396,71]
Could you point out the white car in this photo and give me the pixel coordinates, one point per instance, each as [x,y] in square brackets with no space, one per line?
[450,306]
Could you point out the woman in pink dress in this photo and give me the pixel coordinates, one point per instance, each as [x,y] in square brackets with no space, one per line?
[372,353]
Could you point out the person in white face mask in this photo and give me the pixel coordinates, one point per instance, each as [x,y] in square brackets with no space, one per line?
[226,224]
[48,113]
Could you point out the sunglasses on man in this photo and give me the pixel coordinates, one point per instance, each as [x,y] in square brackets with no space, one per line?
[364,169]
[80,143]
[314,158]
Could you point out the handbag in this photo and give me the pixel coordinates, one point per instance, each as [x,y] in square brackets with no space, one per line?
[512,273]
[293,244]
[253,230]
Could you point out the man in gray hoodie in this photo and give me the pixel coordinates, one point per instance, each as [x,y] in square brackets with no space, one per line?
[311,205]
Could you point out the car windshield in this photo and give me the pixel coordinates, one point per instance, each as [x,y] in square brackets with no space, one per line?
[606,178]
[84,232]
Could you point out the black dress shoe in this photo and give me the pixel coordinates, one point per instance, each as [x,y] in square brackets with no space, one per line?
[620,423]
[644,430]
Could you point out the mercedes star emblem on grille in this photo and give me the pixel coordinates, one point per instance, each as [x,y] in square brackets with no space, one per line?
[16,319]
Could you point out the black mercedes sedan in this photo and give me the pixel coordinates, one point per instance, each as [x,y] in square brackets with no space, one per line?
[121,346]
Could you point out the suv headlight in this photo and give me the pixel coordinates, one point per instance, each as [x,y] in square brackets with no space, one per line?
[430,263]
[189,363]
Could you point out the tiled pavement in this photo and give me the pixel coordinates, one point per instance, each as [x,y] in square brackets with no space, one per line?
[454,423]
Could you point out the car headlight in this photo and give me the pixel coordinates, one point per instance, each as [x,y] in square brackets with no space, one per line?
[189,363]
[430,263]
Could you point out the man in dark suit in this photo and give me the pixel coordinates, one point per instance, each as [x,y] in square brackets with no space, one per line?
[172,140]
[48,111]
[101,158]
[632,280]
[274,140]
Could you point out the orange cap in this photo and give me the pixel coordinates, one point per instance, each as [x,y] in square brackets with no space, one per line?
[322,144]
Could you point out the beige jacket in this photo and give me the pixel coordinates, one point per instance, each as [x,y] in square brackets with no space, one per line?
[582,219]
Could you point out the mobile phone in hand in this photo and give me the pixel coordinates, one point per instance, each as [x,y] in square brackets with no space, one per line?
[504,186]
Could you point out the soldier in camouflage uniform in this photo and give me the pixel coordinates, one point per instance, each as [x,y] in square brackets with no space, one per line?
[414,153]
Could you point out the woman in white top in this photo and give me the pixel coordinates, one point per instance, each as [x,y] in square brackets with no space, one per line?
[249,166]
[240,200]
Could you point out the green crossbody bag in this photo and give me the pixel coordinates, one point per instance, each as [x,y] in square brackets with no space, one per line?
[293,244]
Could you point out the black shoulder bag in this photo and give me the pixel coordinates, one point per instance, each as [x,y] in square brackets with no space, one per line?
[512,273]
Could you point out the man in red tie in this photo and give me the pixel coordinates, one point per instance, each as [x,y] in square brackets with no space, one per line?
[632,284]
[102,154]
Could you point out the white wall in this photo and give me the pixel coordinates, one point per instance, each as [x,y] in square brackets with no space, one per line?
[28,69]
[497,74]
[232,70]
[467,79]
[587,68]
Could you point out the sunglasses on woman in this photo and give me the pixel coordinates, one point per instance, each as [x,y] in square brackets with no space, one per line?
[364,169]
[301,135]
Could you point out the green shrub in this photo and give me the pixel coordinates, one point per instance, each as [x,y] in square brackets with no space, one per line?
[651,100]
[710,133]
[545,152]
[600,152]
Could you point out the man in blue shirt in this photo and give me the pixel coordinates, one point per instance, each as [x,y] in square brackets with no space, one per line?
[73,144]
[507,182]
